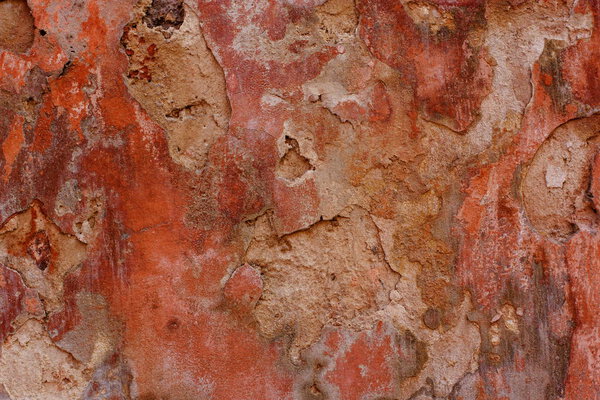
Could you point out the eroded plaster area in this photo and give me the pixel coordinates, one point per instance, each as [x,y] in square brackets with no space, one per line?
[557,185]
[16,26]
[41,253]
[408,190]
[176,78]
[33,367]
[335,275]
[299,199]
[332,273]
[40,359]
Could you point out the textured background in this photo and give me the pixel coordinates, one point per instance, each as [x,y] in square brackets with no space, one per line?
[299,199]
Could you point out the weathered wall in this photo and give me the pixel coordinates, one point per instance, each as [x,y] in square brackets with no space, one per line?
[299,199]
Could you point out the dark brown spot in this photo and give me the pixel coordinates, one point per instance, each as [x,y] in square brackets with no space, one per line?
[165,14]
[40,250]
[173,324]
[414,355]
[431,318]
[551,73]
[311,391]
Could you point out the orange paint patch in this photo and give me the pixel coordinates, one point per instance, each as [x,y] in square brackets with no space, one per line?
[118,112]
[365,367]
[12,145]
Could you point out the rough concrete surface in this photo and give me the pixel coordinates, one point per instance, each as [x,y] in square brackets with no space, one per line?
[300,199]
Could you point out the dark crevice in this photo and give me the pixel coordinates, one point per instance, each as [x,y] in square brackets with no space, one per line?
[293,164]
[165,14]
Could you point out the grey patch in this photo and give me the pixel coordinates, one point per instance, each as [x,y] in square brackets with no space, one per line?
[68,198]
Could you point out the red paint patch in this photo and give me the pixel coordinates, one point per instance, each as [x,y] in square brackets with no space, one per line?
[449,75]
[243,289]
[15,300]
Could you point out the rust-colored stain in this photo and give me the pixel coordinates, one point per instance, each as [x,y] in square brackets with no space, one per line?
[299,199]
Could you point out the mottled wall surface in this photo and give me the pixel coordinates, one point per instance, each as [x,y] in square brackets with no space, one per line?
[300,199]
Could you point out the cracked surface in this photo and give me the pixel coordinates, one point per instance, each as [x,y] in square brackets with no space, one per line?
[299,199]
[34,368]
[176,79]
[34,247]
[344,262]
[556,187]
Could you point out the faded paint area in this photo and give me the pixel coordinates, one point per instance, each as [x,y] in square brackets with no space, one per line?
[19,303]
[438,48]
[299,199]
[34,247]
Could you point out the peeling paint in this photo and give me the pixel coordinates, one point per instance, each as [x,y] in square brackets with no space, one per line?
[299,199]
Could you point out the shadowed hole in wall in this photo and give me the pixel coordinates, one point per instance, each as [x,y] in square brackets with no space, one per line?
[165,14]
[293,164]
